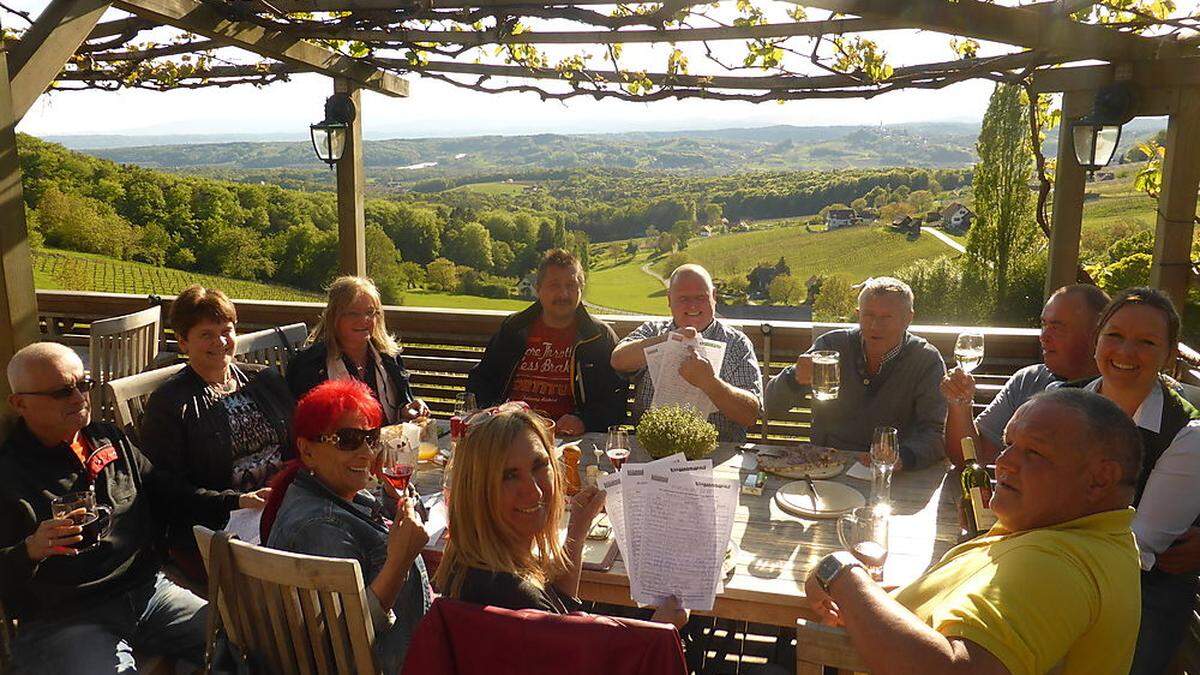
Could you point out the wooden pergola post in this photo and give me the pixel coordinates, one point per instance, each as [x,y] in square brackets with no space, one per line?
[352,250]
[1172,266]
[1066,219]
[18,301]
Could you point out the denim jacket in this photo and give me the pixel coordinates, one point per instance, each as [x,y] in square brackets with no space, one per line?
[314,521]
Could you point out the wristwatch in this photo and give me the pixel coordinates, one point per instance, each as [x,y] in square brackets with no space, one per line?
[834,564]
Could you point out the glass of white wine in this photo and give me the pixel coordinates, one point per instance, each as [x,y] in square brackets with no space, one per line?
[968,350]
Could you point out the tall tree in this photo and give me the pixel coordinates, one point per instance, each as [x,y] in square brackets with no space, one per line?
[1004,230]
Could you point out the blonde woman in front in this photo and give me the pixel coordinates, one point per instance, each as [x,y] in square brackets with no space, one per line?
[505,508]
[351,341]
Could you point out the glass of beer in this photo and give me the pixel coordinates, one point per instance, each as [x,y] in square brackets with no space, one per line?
[826,375]
[81,509]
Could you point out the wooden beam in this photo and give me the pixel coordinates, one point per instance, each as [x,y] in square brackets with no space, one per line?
[476,38]
[1172,266]
[119,27]
[1146,75]
[202,19]
[352,250]
[1066,219]
[18,301]
[997,63]
[211,73]
[1010,25]
[36,60]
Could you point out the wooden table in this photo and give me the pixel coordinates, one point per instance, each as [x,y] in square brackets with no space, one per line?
[777,550]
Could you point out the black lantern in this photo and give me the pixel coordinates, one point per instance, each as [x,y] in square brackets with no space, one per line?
[329,135]
[1096,135]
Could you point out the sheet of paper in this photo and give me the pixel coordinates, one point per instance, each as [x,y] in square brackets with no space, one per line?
[614,504]
[245,524]
[859,471]
[685,540]
[669,386]
[439,518]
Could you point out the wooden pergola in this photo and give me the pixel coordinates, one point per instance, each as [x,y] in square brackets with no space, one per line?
[1053,46]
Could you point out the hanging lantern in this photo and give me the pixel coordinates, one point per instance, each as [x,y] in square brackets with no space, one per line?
[329,135]
[1095,136]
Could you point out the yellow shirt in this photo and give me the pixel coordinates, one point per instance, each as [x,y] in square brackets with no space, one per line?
[1068,595]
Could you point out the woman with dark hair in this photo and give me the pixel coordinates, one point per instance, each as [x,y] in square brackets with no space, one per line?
[213,423]
[1136,341]
[351,341]
[319,506]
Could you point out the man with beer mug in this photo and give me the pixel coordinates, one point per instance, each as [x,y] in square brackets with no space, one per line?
[876,375]
[80,512]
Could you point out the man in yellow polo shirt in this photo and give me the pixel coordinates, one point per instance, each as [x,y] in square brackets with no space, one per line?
[1054,586]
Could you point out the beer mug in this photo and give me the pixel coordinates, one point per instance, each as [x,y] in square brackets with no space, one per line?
[96,521]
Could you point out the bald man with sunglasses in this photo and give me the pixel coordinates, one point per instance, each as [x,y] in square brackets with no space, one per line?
[80,610]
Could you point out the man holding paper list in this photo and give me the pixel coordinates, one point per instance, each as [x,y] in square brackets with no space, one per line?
[690,344]
[889,377]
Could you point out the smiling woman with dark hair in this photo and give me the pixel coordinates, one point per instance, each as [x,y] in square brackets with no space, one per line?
[319,506]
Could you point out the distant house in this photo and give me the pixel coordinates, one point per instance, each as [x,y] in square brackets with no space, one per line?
[835,218]
[906,224]
[956,217]
[933,216]
[762,275]
[1102,175]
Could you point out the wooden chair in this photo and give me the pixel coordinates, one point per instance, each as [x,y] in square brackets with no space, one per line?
[271,347]
[296,613]
[119,347]
[818,646]
[128,396]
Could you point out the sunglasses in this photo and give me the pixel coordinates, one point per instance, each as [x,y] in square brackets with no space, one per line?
[82,385]
[349,440]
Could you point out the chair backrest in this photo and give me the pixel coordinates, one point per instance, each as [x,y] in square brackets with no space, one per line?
[272,346]
[119,347]
[296,613]
[819,646]
[128,395]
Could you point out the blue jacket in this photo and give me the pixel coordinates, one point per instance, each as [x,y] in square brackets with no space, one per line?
[314,521]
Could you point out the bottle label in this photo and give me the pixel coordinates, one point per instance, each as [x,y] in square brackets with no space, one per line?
[984,517]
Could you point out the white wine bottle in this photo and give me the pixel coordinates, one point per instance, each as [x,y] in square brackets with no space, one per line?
[976,496]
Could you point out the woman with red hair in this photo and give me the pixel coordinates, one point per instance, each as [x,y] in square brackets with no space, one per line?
[319,506]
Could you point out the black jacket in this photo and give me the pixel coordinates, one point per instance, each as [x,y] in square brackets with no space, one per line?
[307,369]
[600,394]
[144,500]
[187,432]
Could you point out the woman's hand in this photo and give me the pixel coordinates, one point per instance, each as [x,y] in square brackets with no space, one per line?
[407,538]
[671,612]
[254,500]
[958,387]
[585,505]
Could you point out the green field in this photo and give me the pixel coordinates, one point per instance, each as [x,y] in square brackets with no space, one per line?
[67,270]
[496,188]
[624,286]
[852,253]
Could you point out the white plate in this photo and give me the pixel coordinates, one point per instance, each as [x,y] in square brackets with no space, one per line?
[834,499]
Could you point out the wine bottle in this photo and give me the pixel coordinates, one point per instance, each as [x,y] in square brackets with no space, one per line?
[977,518]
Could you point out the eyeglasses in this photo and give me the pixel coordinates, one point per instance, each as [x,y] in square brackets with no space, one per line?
[372,314]
[83,385]
[349,440]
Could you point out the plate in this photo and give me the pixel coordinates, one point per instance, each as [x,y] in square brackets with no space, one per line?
[835,499]
[806,459]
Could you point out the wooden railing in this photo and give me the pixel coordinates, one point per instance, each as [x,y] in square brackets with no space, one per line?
[441,345]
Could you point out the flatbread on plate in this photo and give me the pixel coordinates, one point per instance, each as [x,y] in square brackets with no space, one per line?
[806,459]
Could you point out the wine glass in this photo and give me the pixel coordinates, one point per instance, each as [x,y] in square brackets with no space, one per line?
[464,405]
[968,350]
[617,447]
[885,452]
[397,457]
[864,532]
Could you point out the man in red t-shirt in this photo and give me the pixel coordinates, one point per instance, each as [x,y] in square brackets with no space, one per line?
[554,356]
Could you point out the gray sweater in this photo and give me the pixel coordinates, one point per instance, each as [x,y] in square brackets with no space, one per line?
[905,394]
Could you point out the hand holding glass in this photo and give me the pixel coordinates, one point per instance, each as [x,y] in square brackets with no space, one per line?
[864,532]
[968,350]
[826,375]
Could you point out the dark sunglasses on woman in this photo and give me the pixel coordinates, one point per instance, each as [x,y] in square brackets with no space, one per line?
[349,440]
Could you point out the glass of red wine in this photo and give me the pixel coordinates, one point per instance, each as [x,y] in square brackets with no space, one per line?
[864,532]
[617,447]
[397,458]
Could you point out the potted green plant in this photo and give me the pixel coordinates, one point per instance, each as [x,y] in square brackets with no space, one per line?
[669,429]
